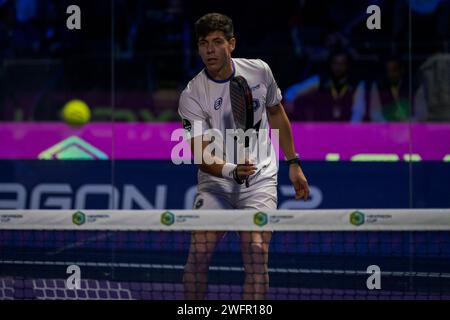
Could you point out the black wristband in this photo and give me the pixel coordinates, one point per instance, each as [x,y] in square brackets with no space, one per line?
[235,176]
[296,160]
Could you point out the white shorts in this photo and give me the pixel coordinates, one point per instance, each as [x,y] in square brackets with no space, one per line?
[261,199]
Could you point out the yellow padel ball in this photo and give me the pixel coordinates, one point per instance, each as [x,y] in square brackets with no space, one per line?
[76,112]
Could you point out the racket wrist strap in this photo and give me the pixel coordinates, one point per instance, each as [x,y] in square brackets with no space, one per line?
[229,172]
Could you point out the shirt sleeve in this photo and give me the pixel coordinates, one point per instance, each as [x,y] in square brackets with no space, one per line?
[192,116]
[273,96]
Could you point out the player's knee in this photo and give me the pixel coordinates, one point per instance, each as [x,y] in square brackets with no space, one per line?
[256,269]
[198,265]
[258,251]
[255,259]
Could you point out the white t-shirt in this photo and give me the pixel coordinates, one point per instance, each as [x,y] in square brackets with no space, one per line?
[206,101]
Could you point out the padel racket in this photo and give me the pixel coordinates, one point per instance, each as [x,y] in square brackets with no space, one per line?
[242,107]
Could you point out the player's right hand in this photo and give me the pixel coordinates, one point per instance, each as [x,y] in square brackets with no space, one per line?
[245,170]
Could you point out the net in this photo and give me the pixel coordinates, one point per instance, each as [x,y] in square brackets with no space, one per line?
[313,254]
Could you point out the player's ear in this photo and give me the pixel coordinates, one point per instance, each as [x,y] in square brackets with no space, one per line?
[232,42]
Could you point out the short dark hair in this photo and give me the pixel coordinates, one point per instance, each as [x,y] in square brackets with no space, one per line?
[214,22]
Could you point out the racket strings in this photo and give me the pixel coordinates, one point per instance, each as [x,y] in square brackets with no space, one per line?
[238,105]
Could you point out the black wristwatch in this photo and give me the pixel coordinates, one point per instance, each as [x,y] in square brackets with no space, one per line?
[295,160]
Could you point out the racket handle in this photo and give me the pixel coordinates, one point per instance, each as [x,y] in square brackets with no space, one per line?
[246,183]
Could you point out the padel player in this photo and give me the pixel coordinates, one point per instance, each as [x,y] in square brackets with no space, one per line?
[206,100]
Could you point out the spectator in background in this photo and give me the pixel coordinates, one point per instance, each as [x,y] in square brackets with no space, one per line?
[432,99]
[389,99]
[335,96]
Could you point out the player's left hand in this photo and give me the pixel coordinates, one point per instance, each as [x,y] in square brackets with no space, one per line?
[299,181]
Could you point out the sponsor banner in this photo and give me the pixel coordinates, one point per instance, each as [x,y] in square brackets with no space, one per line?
[156,141]
[162,185]
[229,220]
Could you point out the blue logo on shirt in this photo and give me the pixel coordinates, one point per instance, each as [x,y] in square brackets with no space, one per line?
[256,104]
[218,103]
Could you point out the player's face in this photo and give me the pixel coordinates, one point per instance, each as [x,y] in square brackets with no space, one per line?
[215,51]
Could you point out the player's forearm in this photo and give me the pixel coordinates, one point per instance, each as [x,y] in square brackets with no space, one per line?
[214,169]
[279,120]
[210,163]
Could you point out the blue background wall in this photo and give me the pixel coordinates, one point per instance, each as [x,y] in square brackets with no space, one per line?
[162,185]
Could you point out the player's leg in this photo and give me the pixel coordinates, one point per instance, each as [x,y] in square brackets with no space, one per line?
[255,255]
[203,243]
[195,278]
[255,245]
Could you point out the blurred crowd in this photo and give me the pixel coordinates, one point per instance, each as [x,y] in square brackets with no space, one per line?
[138,55]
